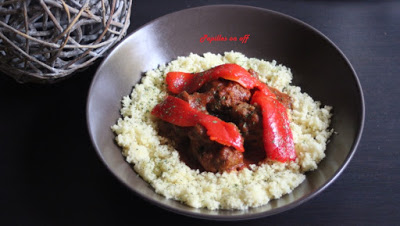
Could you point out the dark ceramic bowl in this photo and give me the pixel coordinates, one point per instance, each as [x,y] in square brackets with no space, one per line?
[318,67]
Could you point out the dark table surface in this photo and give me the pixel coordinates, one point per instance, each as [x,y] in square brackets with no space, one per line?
[50,173]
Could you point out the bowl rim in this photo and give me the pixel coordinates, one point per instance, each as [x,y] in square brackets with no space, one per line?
[246,216]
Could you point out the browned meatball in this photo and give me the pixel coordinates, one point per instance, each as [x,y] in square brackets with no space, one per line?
[226,94]
[196,100]
[212,156]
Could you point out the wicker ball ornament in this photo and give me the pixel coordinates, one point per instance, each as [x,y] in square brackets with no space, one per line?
[46,40]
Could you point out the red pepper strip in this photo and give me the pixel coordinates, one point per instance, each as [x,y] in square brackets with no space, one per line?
[277,137]
[190,82]
[180,113]
[178,81]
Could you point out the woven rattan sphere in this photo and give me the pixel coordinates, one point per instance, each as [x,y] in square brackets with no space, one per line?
[45,40]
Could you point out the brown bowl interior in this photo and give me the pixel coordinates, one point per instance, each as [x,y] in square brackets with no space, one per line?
[317,64]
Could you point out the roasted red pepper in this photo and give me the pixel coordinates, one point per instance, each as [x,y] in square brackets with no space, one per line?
[277,136]
[180,113]
[190,82]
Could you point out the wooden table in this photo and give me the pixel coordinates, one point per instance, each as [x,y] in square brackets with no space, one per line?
[51,175]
